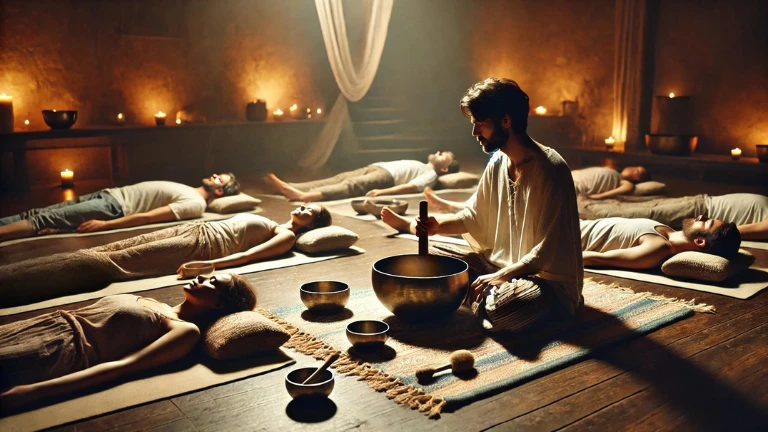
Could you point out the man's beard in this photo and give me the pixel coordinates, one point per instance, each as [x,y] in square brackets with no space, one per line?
[208,185]
[689,231]
[498,138]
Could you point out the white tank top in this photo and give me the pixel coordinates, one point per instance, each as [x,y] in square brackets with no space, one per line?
[739,208]
[609,234]
[595,180]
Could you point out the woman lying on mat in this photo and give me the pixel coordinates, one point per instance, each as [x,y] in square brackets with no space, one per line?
[242,239]
[62,352]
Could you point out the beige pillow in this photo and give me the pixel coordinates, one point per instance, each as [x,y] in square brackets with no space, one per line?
[233,203]
[650,188]
[706,267]
[459,180]
[242,334]
[325,239]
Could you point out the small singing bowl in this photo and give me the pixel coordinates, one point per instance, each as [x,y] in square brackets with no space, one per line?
[762,152]
[324,297]
[374,206]
[322,386]
[56,119]
[367,334]
[199,269]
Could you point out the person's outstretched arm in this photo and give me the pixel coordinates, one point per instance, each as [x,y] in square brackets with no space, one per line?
[177,341]
[161,214]
[394,190]
[648,254]
[625,187]
[754,231]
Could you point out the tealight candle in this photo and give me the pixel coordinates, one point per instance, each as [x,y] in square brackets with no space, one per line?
[6,113]
[295,112]
[736,154]
[26,124]
[160,118]
[178,121]
[120,118]
[67,178]
[671,95]
[540,110]
[277,114]
[610,142]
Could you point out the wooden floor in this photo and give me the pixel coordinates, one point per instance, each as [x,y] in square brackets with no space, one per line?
[707,372]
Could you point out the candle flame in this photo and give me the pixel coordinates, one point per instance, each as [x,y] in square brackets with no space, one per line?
[671,95]
[5,97]
[610,140]
[309,110]
[160,114]
[178,121]
[541,110]
[277,112]
[319,111]
[120,116]
[26,122]
[293,107]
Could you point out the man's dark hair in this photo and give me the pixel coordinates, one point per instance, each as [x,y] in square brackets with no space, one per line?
[493,98]
[453,167]
[238,295]
[232,187]
[724,241]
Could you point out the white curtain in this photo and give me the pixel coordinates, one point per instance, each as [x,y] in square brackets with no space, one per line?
[353,82]
[628,71]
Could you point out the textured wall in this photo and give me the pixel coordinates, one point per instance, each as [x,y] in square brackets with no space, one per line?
[717,52]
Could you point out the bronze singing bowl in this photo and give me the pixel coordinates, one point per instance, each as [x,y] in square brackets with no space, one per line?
[324,297]
[416,287]
[374,206]
[367,333]
[322,386]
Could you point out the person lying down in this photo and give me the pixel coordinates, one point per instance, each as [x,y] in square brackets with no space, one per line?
[242,239]
[633,243]
[62,352]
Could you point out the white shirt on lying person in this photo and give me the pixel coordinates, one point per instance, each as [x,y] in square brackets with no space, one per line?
[244,231]
[739,208]
[595,180]
[185,202]
[535,222]
[410,172]
[607,234]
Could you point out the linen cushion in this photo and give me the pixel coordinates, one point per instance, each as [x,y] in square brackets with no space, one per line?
[459,180]
[650,188]
[706,267]
[242,334]
[233,203]
[325,239]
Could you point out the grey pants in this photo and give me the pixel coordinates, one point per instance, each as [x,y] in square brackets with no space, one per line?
[68,215]
[349,184]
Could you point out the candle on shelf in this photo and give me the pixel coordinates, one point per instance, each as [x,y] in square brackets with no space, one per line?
[540,110]
[178,121]
[736,154]
[160,118]
[277,114]
[671,95]
[26,124]
[120,118]
[67,178]
[295,112]
[319,111]
[610,142]
[6,113]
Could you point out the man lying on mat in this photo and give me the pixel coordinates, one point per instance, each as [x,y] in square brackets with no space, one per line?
[594,182]
[139,204]
[382,178]
[62,352]
[242,239]
[646,244]
[523,218]
[748,211]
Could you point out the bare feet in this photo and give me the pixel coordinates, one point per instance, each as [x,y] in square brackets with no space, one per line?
[439,204]
[284,188]
[396,221]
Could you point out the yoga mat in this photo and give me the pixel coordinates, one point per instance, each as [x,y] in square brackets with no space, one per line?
[611,315]
[194,373]
[206,217]
[294,259]
[755,244]
[741,286]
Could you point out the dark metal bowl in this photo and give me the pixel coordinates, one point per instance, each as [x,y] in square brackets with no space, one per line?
[672,145]
[762,152]
[374,206]
[324,297]
[56,119]
[322,387]
[416,287]
[367,334]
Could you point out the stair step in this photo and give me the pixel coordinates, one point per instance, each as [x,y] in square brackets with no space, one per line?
[372,114]
[378,127]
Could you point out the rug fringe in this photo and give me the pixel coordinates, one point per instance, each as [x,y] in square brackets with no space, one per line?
[696,307]
[394,389]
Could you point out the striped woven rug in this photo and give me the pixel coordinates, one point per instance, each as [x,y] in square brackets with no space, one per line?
[611,315]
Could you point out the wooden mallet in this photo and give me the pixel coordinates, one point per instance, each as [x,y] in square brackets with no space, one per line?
[319,372]
[460,361]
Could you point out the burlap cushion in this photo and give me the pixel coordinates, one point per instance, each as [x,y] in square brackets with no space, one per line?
[459,180]
[650,188]
[325,239]
[706,267]
[233,203]
[242,334]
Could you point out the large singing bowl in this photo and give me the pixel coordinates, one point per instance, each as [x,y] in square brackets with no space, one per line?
[416,287]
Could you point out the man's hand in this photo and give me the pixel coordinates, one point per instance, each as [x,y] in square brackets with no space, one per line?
[485,282]
[187,273]
[92,225]
[373,193]
[431,227]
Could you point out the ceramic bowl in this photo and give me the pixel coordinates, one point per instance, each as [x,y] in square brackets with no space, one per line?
[199,269]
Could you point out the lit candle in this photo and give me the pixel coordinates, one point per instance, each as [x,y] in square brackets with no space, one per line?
[178,121]
[6,113]
[67,178]
[736,154]
[277,114]
[610,142]
[319,111]
[160,118]
[540,110]
[120,118]
[26,124]
[295,112]
[671,95]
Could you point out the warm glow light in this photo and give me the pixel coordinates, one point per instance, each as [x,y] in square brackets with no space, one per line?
[671,95]
[160,114]
[54,110]
[610,140]
[293,107]
[278,112]
[5,97]
[309,110]
[540,110]
[67,177]
[736,153]
[26,122]
[178,121]
[319,111]
[120,116]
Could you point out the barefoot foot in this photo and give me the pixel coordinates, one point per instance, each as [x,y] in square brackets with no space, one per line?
[394,220]
[440,205]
